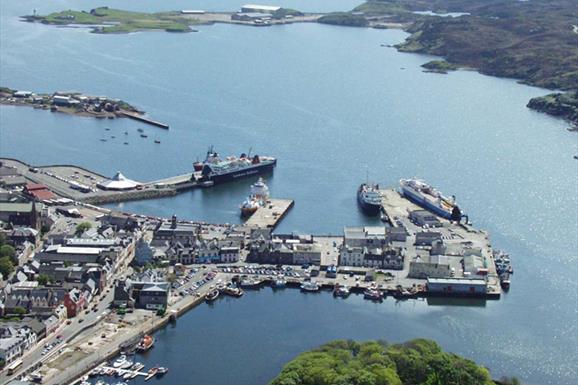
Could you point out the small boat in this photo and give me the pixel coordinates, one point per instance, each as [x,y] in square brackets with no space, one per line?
[107,129]
[310,286]
[279,282]
[233,291]
[372,295]
[125,142]
[140,130]
[249,283]
[126,132]
[505,281]
[157,141]
[103,140]
[151,373]
[212,295]
[207,183]
[162,371]
[144,136]
[341,291]
[145,343]
[120,361]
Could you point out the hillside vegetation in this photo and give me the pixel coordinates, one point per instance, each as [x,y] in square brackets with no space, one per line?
[417,362]
[534,41]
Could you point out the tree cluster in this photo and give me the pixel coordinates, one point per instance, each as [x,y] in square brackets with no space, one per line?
[417,362]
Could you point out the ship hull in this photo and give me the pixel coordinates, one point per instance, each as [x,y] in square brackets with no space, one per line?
[418,199]
[242,173]
[366,207]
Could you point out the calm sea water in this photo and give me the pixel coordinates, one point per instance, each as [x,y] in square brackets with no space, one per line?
[333,106]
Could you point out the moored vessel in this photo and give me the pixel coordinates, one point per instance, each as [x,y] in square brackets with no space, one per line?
[369,198]
[219,170]
[341,291]
[310,286]
[372,294]
[426,196]
[145,343]
[212,295]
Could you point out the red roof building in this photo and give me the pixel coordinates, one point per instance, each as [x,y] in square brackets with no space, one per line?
[38,192]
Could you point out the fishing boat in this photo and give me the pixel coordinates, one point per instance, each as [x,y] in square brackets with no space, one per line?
[250,283]
[157,141]
[279,282]
[372,294]
[140,130]
[369,198]
[429,198]
[212,295]
[257,198]
[145,343]
[310,287]
[505,281]
[341,291]
[144,136]
[233,291]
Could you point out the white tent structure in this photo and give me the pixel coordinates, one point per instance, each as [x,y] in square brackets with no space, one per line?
[118,182]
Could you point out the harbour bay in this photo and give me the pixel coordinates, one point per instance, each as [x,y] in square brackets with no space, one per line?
[331,104]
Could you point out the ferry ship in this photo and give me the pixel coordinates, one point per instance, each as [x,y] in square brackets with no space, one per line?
[429,198]
[220,170]
[258,198]
[369,198]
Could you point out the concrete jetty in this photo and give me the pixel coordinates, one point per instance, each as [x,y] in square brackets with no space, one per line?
[146,120]
[271,214]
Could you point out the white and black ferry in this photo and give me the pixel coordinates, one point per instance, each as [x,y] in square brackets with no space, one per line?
[219,170]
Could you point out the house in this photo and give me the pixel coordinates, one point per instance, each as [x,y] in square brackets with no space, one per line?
[14,341]
[426,266]
[284,249]
[33,300]
[122,295]
[74,302]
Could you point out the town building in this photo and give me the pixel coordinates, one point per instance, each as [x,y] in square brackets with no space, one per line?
[430,266]
[424,218]
[255,8]
[457,286]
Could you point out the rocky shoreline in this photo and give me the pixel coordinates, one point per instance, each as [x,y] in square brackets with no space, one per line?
[563,105]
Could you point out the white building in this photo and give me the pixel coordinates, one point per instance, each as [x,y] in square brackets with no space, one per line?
[254,8]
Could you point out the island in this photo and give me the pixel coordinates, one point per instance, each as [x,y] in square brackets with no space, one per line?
[439,66]
[564,105]
[71,102]
[105,20]
[108,20]
[418,361]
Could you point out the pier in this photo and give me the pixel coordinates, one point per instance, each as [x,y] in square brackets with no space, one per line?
[394,206]
[146,120]
[271,214]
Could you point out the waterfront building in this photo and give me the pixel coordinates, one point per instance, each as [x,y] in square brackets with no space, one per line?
[38,192]
[427,238]
[118,182]
[457,286]
[251,16]
[424,218]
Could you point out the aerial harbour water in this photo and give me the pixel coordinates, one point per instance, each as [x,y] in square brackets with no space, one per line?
[331,104]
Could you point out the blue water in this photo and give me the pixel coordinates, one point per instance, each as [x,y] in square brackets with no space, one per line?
[332,105]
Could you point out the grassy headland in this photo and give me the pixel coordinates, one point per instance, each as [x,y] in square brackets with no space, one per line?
[107,20]
[376,363]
